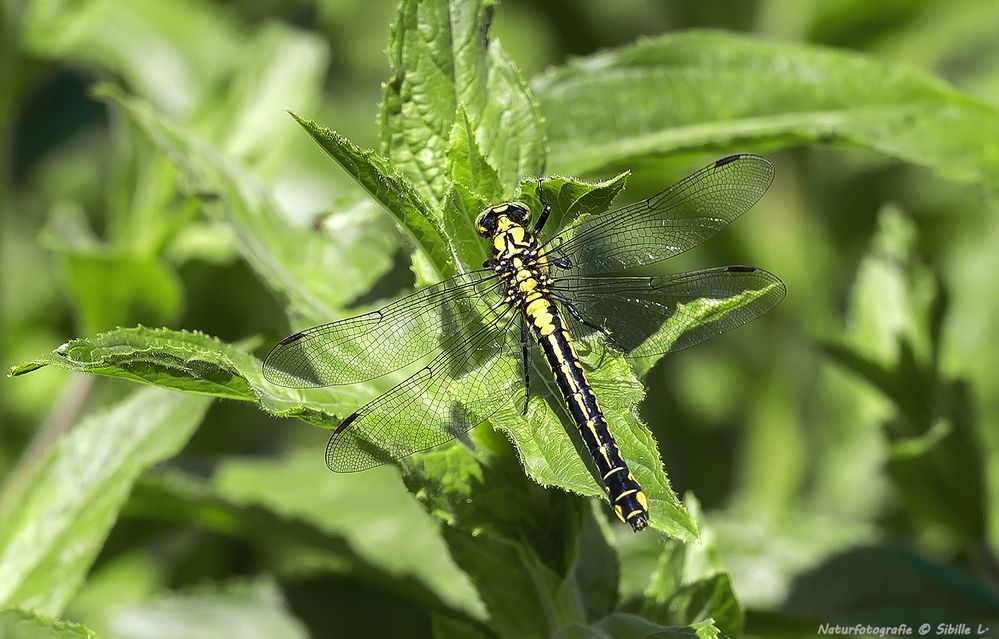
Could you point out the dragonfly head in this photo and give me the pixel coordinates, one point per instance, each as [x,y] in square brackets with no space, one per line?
[500,217]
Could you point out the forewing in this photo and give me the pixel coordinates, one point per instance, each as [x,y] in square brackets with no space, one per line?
[459,389]
[668,223]
[648,316]
[374,344]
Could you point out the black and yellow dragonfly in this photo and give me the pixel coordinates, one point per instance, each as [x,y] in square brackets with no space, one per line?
[478,327]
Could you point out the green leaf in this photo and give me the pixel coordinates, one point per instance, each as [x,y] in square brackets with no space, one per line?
[515,587]
[710,599]
[293,546]
[892,343]
[764,556]
[460,210]
[571,198]
[195,43]
[120,577]
[194,363]
[442,65]
[892,296]
[941,471]
[55,529]
[711,91]
[111,290]
[591,582]
[465,163]
[24,624]
[689,585]
[248,609]
[515,555]
[511,126]
[295,261]
[550,455]
[109,284]
[699,312]
[300,487]
[280,68]
[391,189]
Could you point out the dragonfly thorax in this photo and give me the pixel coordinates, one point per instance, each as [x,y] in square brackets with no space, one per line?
[522,269]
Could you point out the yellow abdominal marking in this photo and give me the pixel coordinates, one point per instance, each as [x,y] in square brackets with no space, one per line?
[603,451]
[612,471]
[537,306]
[626,493]
[542,316]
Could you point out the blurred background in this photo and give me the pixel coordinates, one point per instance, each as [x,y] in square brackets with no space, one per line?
[841,446]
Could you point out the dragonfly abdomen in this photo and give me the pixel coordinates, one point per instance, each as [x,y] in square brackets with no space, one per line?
[625,494]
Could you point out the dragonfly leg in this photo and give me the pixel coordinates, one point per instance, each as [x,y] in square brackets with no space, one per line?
[582,319]
[546,208]
[561,262]
[525,355]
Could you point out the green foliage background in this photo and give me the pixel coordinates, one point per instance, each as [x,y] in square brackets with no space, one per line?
[842,450]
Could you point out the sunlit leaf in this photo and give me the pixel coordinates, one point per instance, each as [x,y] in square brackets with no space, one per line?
[299,486]
[53,532]
[443,65]
[281,69]
[571,198]
[708,91]
[392,190]
[295,261]
[247,609]
[24,624]
[935,458]
[465,163]
[194,363]
[186,49]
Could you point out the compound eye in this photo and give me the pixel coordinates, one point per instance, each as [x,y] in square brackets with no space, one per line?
[520,212]
[485,223]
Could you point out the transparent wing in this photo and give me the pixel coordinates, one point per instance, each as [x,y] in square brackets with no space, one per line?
[459,389]
[647,316]
[374,344]
[668,223]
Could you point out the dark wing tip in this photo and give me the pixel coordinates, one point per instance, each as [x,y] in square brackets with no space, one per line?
[274,366]
[764,274]
[294,337]
[345,423]
[728,159]
[763,169]
[735,157]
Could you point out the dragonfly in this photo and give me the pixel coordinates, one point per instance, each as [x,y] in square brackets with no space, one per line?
[480,329]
